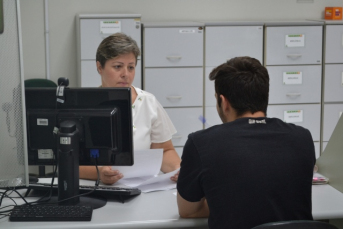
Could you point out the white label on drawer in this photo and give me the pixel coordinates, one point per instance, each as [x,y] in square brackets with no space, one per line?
[295,40]
[187,31]
[293,116]
[292,77]
[110,27]
[42,122]
[45,154]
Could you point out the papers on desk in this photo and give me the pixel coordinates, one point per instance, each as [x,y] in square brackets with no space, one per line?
[319,179]
[144,174]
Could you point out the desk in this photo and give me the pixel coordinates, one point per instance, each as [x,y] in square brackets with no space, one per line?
[159,210]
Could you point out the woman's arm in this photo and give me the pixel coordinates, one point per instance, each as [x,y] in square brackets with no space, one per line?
[171,160]
[107,175]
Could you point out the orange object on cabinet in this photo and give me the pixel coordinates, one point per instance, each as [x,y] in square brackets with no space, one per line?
[333,13]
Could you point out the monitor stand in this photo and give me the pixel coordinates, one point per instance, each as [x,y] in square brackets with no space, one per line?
[68,168]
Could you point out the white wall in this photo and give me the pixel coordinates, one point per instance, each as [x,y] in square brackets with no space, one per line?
[62,22]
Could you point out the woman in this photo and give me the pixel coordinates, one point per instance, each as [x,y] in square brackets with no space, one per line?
[116,60]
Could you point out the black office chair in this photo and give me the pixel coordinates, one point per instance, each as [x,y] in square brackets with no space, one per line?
[40,83]
[296,224]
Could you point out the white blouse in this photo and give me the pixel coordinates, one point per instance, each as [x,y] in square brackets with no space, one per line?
[151,123]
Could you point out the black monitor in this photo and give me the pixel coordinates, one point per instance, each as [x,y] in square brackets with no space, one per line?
[78,126]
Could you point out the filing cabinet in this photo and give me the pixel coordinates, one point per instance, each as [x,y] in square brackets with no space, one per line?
[334,42]
[295,84]
[225,40]
[91,30]
[333,86]
[175,87]
[293,43]
[173,72]
[293,57]
[186,121]
[333,78]
[305,115]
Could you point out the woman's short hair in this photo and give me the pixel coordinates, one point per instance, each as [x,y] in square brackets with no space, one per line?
[116,45]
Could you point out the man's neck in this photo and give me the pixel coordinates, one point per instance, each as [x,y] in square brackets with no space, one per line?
[258,114]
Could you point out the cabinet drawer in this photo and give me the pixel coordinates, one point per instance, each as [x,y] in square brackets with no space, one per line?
[91,35]
[334,44]
[332,113]
[307,116]
[210,98]
[212,117]
[174,87]
[186,121]
[91,78]
[333,87]
[295,84]
[166,47]
[294,45]
[226,42]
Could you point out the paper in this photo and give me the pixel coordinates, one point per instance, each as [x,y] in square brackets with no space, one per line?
[158,183]
[295,40]
[110,27]
[293,116]
[150,184]
[147,163]
[292,78]
[319,179]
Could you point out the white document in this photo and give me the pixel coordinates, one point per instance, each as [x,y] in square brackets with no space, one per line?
[295,40]
[159,182]
[292,78]
[293,116]
[147,163]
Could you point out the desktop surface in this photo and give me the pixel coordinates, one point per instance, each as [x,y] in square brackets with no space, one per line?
[159,210]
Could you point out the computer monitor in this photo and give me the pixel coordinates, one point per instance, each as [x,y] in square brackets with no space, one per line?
[78,126]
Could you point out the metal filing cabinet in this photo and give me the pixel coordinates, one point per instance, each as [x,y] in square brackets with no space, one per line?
[173,72]
[225,40]
[333,78]
[91,30]
[293,57]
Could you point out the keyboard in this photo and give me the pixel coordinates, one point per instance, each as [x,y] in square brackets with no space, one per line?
[51,213]
[108,190]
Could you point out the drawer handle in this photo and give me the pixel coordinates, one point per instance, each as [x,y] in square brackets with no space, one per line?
[293,94]
[177,136]
[294,55]
[174,57]
[174,97]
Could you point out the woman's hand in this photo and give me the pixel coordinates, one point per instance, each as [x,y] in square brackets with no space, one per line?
[109,176]
[175,177]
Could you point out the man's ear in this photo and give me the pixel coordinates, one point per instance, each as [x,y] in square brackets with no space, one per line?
[225,104]
[98,67]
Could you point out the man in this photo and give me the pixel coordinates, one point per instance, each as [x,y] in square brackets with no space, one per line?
[251,169]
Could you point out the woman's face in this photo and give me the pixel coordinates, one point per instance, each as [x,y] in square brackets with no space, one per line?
[119,71]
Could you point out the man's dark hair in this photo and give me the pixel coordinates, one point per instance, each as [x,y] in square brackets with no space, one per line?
[244,82]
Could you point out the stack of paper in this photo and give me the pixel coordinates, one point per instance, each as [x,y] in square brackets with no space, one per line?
[144,174]
[319,179]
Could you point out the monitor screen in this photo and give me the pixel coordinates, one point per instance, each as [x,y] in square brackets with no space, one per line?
[103,117]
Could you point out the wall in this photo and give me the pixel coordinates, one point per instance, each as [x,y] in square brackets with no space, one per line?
[62,22]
